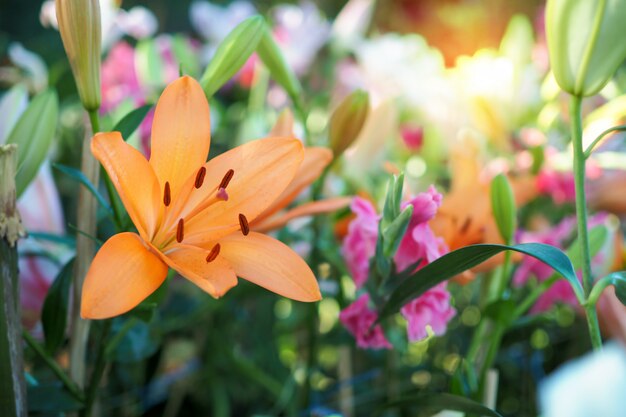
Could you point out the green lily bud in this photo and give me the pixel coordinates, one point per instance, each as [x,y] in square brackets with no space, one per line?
[232,53]
[79,24]
[347,121]
[586,42]
[503,207]
[274,60]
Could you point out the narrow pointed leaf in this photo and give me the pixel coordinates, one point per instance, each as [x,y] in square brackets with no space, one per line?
[131,121]
[80,177]
[467,257]
[393,234]
[54,312]
[443,402]
[33,135]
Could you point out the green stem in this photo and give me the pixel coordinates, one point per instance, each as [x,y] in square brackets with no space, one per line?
[98,371]
[492,352]
[54,367]
[85,249]
[12,384]
[530,300]
[601,136]
[581,216]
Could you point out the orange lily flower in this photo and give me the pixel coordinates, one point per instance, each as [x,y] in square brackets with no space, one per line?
[191,215]
[465,216]
[316,159]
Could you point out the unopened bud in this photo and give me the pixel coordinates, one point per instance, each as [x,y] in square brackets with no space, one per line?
[586,42]
[503,207]
[348,120]
[79,24]
[232,53]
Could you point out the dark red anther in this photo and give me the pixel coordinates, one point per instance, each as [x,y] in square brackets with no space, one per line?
[214,252]
[466,225]
[200,177]
[243,223]
[180,233]
[227,177]
[167,195]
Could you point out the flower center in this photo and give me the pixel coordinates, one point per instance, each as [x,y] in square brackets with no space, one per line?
[173,230]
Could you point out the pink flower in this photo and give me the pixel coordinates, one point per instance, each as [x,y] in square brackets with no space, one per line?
[360,243]
[119,78]
[558,185]
[358,318]
[559,236]
[413,137]
[419,244]
[419,241]
[432,308]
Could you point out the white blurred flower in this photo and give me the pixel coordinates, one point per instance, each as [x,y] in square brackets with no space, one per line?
[137,22]
[498,93]
[301,31]
[352,22]
[591,386]
[31,64]
[213,22]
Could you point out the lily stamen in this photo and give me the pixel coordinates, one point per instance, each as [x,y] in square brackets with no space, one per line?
[167,195]
[200,177]
[214,252]
[243,223]
[180,233]
[226,180]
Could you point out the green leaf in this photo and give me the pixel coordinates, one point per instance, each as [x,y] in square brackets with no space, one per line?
[232,53]
[149,63]
[462,259]
[131,121]
[273,58]
[443,402]
[393,234]
[51,399]
[80,177]
[137,344]
[33,135]
[185,55]
[54,311]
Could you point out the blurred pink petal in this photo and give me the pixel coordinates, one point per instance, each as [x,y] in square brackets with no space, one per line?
[358,318]
[40,208]
[431,309]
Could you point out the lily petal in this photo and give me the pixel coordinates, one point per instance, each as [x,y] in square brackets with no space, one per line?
[284,124]
[262,170]
[270,264]
[123,273]
[181,133]
[313,164]
[133,178]
[215,278]
[309,209]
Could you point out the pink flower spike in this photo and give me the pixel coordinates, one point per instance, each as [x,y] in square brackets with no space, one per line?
[358,318]
[430,309]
